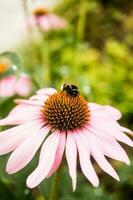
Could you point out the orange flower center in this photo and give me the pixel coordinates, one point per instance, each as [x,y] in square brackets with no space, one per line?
[40,11]
[66,112]
[3,67]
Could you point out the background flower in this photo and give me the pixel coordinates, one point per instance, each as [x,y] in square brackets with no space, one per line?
[11,85]
[44,19]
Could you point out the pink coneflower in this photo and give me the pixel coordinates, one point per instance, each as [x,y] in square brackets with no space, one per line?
[45,20]
[11,85]
[61,121]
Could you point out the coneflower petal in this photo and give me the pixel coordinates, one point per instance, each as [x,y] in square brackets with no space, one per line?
[21,114]
[47,158]
[71,156]
[105,112]
[111,128]
[85,161]
[46,91]
[59,153]
[13,137]
[98,154]
[24,153]
[7,86]
[110,147]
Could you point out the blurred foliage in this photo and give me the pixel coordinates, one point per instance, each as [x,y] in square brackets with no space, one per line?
[95,52]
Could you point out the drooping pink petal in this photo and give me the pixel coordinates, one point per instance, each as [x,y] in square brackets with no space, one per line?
[13,137]
[94,106]
[98,154]
[56,22]
[98,133]
[46,91]
[24,153]
[39,97]
[42,95]
[105,112]
[85,161]
[71,156]
[29,102]
[103,163]
[44,23]
[111,128]
[110,147]
[23,86]
[7,86]
[46,160]
[21,114]
[59,154]
[123,129]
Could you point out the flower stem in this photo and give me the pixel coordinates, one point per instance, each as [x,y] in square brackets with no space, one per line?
[26,16]
[37,194]
[53,193]
[82,20]
[46,60]
[80,31]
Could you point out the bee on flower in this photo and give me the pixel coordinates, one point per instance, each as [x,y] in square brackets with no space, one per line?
[58,123]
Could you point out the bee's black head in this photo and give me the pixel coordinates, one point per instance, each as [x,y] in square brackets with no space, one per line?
[72,90]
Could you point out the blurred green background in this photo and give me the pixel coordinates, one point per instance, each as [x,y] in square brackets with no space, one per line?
[95,52]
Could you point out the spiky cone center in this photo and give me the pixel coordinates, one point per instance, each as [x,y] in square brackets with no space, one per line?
[38,12]
[65,112]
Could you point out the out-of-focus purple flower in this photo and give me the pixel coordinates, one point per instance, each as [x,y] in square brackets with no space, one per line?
[11,84]
[45,20]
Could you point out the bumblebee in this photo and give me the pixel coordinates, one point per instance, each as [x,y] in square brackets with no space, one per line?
[72,90]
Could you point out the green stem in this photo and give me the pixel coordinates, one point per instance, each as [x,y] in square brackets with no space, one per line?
[80,32]
[26,15]
[53,193]
[46,60]
[81,20]
[37,194]
[30,35]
